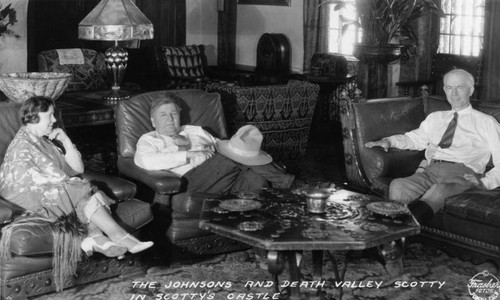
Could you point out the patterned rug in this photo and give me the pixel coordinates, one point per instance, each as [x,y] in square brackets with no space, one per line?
[229,276]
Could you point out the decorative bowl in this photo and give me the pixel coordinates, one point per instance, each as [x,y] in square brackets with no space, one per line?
[19,87]
[316,200]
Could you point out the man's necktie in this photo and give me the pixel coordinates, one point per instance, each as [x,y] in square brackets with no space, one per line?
[447,138]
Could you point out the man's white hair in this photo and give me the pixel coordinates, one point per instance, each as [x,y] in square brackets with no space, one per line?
[468,76]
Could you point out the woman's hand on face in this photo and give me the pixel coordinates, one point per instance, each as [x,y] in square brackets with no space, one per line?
[59,134]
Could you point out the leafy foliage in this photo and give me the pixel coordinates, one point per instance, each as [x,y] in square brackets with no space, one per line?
[7,18]
[386,21]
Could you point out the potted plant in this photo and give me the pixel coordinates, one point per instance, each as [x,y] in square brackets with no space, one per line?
[387,33]
[386,24]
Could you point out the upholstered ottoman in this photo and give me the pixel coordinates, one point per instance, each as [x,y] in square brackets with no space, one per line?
[475,214]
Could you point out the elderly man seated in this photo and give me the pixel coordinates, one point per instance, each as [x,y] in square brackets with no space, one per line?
[458,144]
[208,164]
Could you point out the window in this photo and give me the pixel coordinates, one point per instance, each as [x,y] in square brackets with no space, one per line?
[462,30]
[339,42]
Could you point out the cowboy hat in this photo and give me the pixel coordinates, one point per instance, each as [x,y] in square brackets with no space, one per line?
[244,147]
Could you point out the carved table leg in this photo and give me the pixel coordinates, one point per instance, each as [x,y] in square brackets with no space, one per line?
[275,266]
[276,261]
[339,276]
[294,274]
[392,254]
[317,256]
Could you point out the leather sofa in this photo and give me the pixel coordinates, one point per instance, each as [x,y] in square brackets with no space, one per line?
[283,113]
[29,270]
[469,224]
[176,212]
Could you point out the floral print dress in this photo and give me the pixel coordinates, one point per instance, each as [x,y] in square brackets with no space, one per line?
[35,176]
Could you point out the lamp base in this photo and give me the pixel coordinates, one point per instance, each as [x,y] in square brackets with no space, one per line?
[116,95]
[116,63]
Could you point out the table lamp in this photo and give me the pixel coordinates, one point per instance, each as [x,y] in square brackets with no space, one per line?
[115,20]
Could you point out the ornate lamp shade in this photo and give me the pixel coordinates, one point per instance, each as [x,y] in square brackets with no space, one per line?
[115,20]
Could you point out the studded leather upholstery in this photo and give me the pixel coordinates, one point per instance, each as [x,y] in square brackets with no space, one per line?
[469,223]
[29,271]
[177,209]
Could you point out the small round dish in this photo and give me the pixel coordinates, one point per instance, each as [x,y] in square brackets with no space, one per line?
[251,226]
[240,205]
[374,227]
[387,208]
[338,211]
[316,194]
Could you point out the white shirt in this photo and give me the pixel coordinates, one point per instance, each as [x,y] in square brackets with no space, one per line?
[159,152]
[476,140]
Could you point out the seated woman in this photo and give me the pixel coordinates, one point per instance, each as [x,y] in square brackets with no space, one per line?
[207,164]
[39,174]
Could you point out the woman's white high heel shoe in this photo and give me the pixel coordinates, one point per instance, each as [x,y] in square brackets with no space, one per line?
[109,248]
[134,245]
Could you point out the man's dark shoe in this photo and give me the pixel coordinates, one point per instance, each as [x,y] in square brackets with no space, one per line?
[421,211]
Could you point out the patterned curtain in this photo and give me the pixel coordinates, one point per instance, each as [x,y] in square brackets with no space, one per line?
[491,82]
[315,29]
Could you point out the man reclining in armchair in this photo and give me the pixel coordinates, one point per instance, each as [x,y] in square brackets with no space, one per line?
[458,145]
[189,151]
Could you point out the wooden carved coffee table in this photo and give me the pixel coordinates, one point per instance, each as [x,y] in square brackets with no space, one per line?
[277,221]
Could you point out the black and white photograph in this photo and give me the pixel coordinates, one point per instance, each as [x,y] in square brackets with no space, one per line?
[249,149]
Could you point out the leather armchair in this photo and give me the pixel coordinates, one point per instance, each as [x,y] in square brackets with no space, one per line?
[29,271]
[468,224]
[176,212]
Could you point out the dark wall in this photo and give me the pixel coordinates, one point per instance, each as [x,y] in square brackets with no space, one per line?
[53,24]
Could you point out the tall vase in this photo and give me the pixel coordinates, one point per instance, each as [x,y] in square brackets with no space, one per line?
[373,67]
